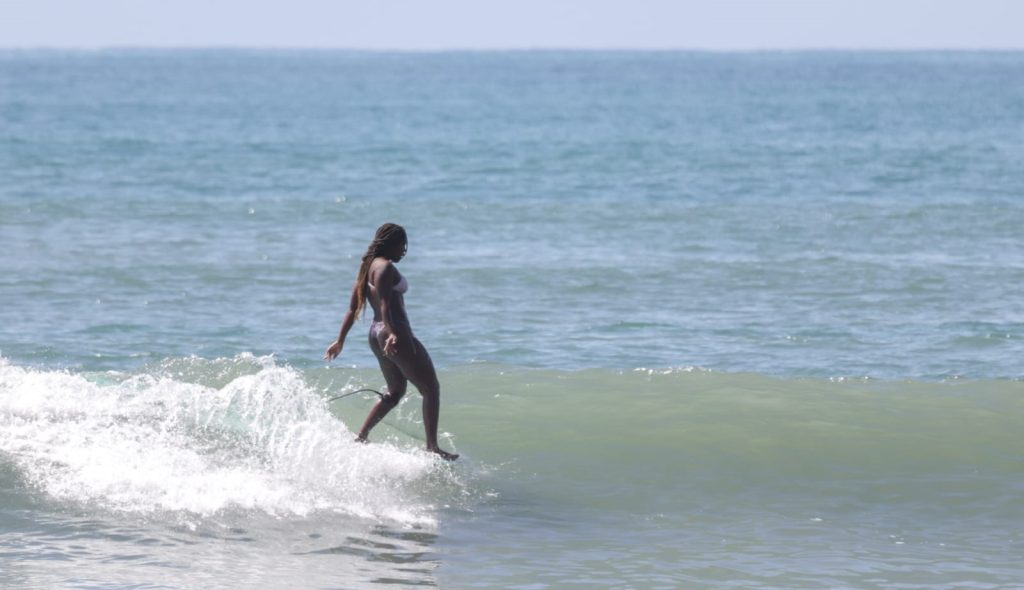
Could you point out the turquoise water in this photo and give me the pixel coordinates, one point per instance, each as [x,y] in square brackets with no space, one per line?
[702,320]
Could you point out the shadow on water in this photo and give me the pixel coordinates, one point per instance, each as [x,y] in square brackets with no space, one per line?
[409,551]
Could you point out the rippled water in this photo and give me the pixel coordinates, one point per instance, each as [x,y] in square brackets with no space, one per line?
[703,320]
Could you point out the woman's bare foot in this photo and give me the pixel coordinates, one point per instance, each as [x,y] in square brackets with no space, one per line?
[444,454]
[360,439]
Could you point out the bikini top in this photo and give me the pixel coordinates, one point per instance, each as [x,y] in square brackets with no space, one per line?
[401,287]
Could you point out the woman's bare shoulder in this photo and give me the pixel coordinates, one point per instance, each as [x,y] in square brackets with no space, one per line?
[380,267]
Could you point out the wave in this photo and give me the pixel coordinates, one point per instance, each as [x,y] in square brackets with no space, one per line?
[247,434]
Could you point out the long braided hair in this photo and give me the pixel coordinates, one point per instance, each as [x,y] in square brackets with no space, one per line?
[387,239]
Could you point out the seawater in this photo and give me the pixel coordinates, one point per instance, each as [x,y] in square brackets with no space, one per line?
[701,320]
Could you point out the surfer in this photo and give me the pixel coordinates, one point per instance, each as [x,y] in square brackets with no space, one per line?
[401,355]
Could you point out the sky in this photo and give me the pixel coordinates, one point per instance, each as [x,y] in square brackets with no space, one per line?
[515,24]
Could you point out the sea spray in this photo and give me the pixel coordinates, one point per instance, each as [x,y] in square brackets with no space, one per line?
[263,441]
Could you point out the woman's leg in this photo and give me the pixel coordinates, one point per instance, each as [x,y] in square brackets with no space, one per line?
[396,382]
[419,368]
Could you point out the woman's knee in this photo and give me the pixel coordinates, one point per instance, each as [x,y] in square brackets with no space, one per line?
[392,396]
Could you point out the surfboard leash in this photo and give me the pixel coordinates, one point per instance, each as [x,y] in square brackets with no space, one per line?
[337,397]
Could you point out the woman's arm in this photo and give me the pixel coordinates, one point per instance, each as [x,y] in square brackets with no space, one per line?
[346,324]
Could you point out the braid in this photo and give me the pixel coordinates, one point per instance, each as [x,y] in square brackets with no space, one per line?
[385,237]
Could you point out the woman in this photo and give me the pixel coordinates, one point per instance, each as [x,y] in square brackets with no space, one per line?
[401,356]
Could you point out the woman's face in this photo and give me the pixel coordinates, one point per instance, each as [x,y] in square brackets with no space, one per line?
[398,250]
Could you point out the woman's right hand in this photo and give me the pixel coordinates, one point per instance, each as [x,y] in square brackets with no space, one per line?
[333,350]
[391,345]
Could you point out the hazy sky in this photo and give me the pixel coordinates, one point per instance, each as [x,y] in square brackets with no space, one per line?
[480,24]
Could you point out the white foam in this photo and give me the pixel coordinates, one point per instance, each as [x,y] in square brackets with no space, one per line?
[265,442]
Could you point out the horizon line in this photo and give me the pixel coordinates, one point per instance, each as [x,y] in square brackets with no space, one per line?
[512,49]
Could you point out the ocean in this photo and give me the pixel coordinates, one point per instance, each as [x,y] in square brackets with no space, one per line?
[701,320]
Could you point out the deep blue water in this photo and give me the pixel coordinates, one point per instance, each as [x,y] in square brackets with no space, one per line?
[784,213]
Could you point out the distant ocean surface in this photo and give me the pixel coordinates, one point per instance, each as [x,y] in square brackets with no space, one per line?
[702,320]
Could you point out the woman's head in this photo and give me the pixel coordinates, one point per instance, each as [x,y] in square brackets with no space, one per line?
[390,242]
